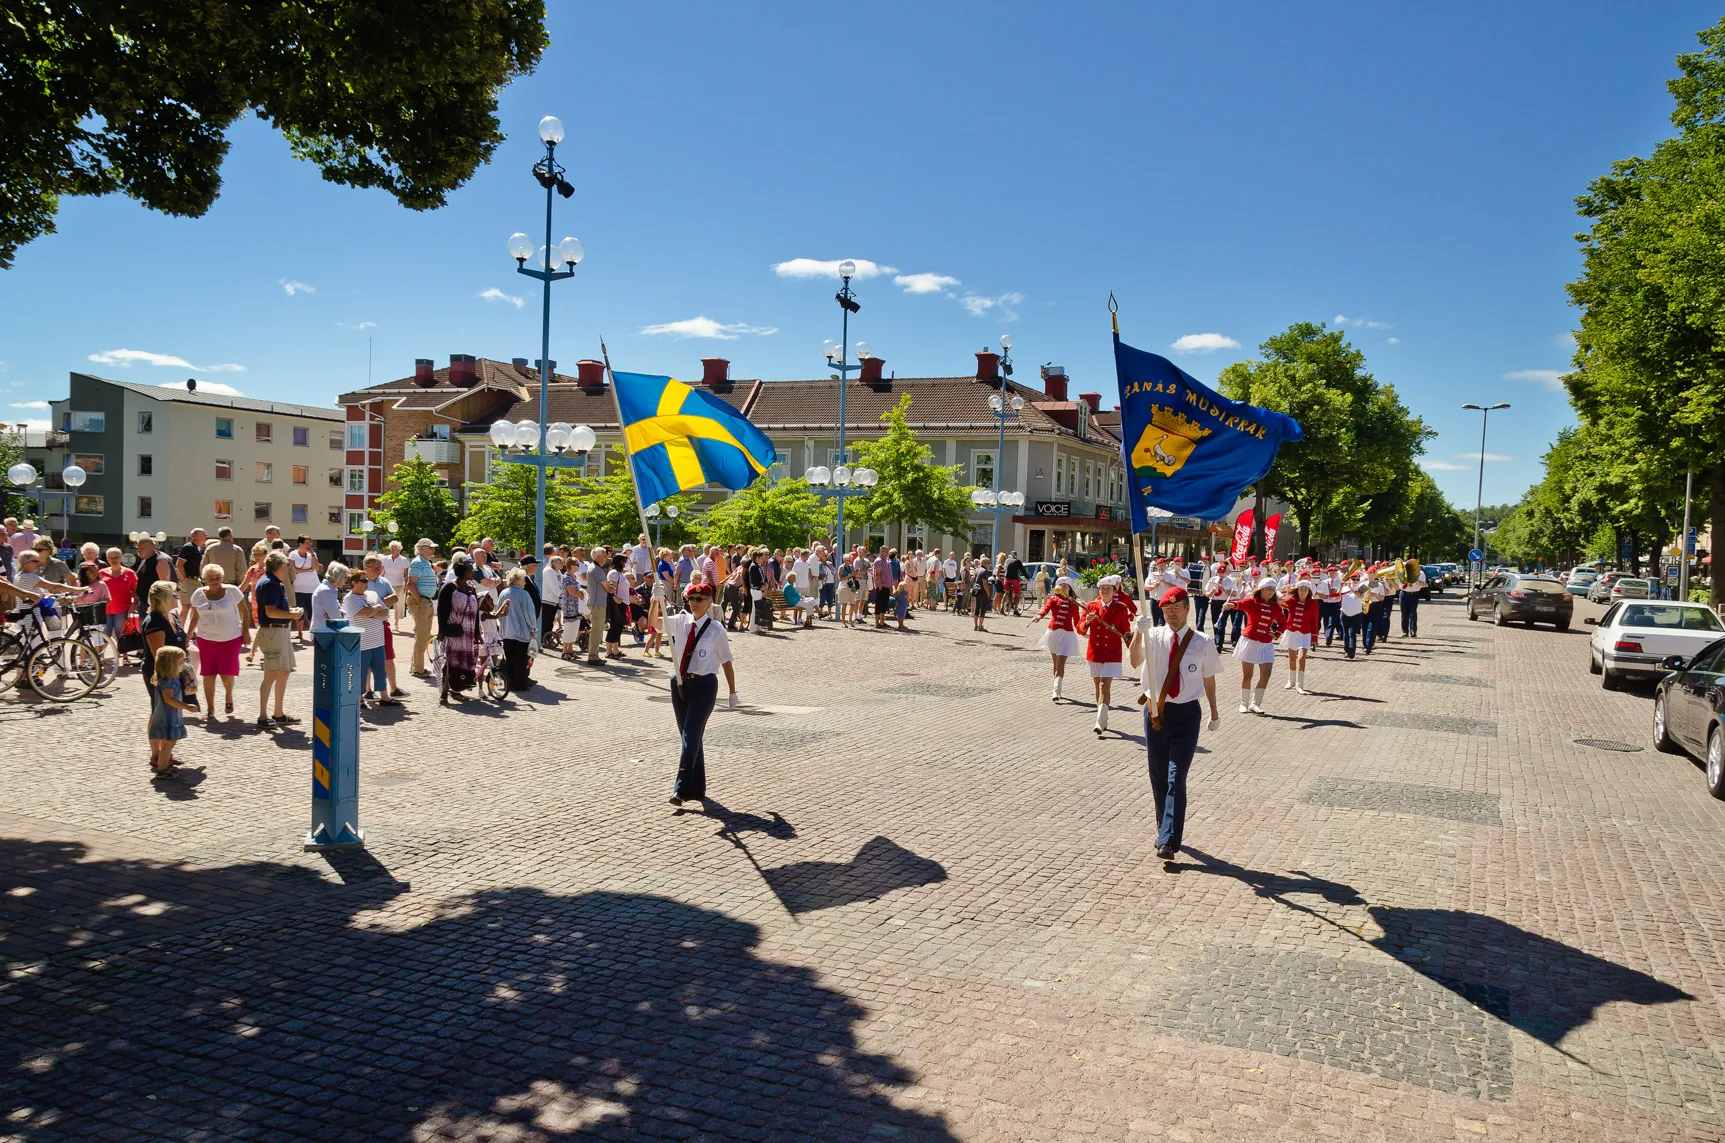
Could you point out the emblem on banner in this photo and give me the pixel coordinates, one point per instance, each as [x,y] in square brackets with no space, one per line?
[1166,442]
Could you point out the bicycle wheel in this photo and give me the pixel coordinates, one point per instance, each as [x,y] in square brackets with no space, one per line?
[493,684]
[12,656]
[106,654]
[63,670]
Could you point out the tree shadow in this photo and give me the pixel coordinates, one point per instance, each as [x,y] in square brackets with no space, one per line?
[508,1014]
[879,867]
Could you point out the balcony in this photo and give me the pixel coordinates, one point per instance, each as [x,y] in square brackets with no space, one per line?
[434,451]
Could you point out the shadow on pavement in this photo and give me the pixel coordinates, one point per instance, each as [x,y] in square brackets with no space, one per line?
[509,1014]
[879,867]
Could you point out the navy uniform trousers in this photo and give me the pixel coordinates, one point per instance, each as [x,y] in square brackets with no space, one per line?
[692,701]
[1171,750]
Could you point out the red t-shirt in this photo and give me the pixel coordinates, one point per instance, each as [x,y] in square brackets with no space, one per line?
[122,589]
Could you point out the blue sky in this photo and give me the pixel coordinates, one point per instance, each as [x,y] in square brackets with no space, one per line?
[1224,169]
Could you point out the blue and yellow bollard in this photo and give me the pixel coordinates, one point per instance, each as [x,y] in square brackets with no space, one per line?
[335,738]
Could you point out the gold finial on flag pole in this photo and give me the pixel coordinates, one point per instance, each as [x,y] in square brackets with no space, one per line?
[1114,312]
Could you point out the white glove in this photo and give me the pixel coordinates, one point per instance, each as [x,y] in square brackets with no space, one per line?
[1144,623]
[734,702]
[1215,723]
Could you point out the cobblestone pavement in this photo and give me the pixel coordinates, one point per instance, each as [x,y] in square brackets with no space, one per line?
[923,906]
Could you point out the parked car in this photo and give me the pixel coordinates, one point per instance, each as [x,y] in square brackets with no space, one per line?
[1687,709]
[1599,591]
[1508,596]
[1625,588]
[1634,638]
[1579,581]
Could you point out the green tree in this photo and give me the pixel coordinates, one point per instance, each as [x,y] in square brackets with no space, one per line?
[780,515]
[418,505]
[137,97]
[12,499]
[604,510]
[504,508]
[912,489]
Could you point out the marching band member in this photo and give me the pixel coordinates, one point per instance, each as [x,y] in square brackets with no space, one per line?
[1174,575]
[1155,583]
[1060,640]
[1263,612]
[1413,580]
[1104,623]
[1328,586]
[1174,665]
[1352,611]
[1215,590]
[1378,611]
[1300,632]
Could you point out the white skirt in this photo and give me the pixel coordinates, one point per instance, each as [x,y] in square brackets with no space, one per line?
[1105,670]
[1255,651]
[1060,642]
[1296,641]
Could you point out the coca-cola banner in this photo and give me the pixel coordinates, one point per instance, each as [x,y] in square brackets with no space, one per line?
[1242,535]
[1270,525]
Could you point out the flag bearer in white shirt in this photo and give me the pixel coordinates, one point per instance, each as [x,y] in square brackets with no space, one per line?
[699,648]
[1171,712]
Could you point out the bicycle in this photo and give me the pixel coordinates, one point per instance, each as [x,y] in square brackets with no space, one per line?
[490,677]
[58,668]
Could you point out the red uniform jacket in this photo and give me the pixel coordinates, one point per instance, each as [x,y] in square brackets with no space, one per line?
[1062,613]
[1261,618]
[1302,617]
[1102,645]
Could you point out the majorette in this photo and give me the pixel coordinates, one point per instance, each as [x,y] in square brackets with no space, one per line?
[1061,640]
[1256,647]
[1106,624]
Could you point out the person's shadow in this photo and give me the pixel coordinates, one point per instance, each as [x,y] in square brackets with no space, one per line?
[511,1013]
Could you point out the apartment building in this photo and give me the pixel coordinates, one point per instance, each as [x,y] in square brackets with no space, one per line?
[171,458]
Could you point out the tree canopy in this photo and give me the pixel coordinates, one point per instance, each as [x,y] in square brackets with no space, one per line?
[912,489]
[418,505]
[781,514]
[100,96]
[603,510]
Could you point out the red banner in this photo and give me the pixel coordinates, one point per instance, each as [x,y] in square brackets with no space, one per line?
[1242,535]
[1270,526]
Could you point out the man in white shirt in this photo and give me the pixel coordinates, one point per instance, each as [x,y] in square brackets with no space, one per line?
[641,559]
[808,585]
[699,649]
[1172,701]
[395,571]
[550,595]
[307,574]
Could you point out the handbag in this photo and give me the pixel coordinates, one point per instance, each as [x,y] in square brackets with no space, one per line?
[131,636]
[1173,673]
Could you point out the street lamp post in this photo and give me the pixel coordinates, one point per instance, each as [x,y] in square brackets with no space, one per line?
[1001,405]
[24,474]
[840,484]
[1485,412]
[848,305]
[558,445]
[652,511]
[549,174]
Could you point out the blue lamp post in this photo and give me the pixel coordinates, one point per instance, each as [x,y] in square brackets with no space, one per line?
[994,500]
[568,253]
[838,357]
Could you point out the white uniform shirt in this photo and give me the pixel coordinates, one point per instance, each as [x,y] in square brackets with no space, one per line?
[1352,604]
[1201,661]
[711,653]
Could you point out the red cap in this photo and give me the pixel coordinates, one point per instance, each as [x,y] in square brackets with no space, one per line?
[1174,595]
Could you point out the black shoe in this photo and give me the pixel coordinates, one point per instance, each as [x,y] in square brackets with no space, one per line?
[286,719]
[675,800]
[266,724]
[1167,852]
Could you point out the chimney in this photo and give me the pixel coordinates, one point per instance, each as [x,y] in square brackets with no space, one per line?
[462,370]
[590,374]
[1054,382]
[191,384]
[988,366]
[1094,400]
[871,370]
[520,364]
[424,373]
[715,372]
[549,367]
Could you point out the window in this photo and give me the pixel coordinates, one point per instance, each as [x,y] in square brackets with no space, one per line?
[335,516]
[356,435]
[301,474]
[264,432]
[356,480]
[144,506]
[146,464]
[355,523]
[90,462]
[224,470]
[1669,615]
[87,506]
[1072,476]
[86,422]
[298,513]
[146,422]
[264,472]
[1059,477]
[261,510]
[1088,468]
[301,436]
[982,469]
[335,478]
[335,439]
[225,428]
[224,509]
[436,432]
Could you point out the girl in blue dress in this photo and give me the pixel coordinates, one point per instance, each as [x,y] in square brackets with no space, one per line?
[167,713]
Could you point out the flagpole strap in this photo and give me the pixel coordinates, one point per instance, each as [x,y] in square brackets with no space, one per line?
[628,457]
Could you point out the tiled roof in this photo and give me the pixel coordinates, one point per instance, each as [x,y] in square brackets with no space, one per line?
[591,407]
[179,395]
[494,374]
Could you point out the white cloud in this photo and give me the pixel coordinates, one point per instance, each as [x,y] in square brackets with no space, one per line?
[292,286]
[1474,456]
[1564,341]
[1444,466]
[362,326]
[980,306]
[706,327]
[496,295]
[1360,322]
[29,404]
[206,387]
[126,358]
[1395,341]
[925,283]
[30,423]
[1203,343]
[1550,378]
[815,268]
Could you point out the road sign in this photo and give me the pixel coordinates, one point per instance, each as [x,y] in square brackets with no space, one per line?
[1476,555]
[1689,544]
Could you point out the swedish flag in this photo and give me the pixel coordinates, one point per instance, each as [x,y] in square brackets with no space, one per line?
[681,437]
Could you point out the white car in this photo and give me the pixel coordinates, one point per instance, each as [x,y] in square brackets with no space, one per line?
[1633,636]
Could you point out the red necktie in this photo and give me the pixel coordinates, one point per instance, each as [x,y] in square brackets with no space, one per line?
[689,648]
[1173,667]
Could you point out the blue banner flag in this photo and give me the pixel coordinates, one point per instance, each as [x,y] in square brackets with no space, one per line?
[1187,448]
[681,437]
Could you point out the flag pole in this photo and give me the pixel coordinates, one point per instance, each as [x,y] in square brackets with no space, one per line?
[628,457]
[1131,476]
